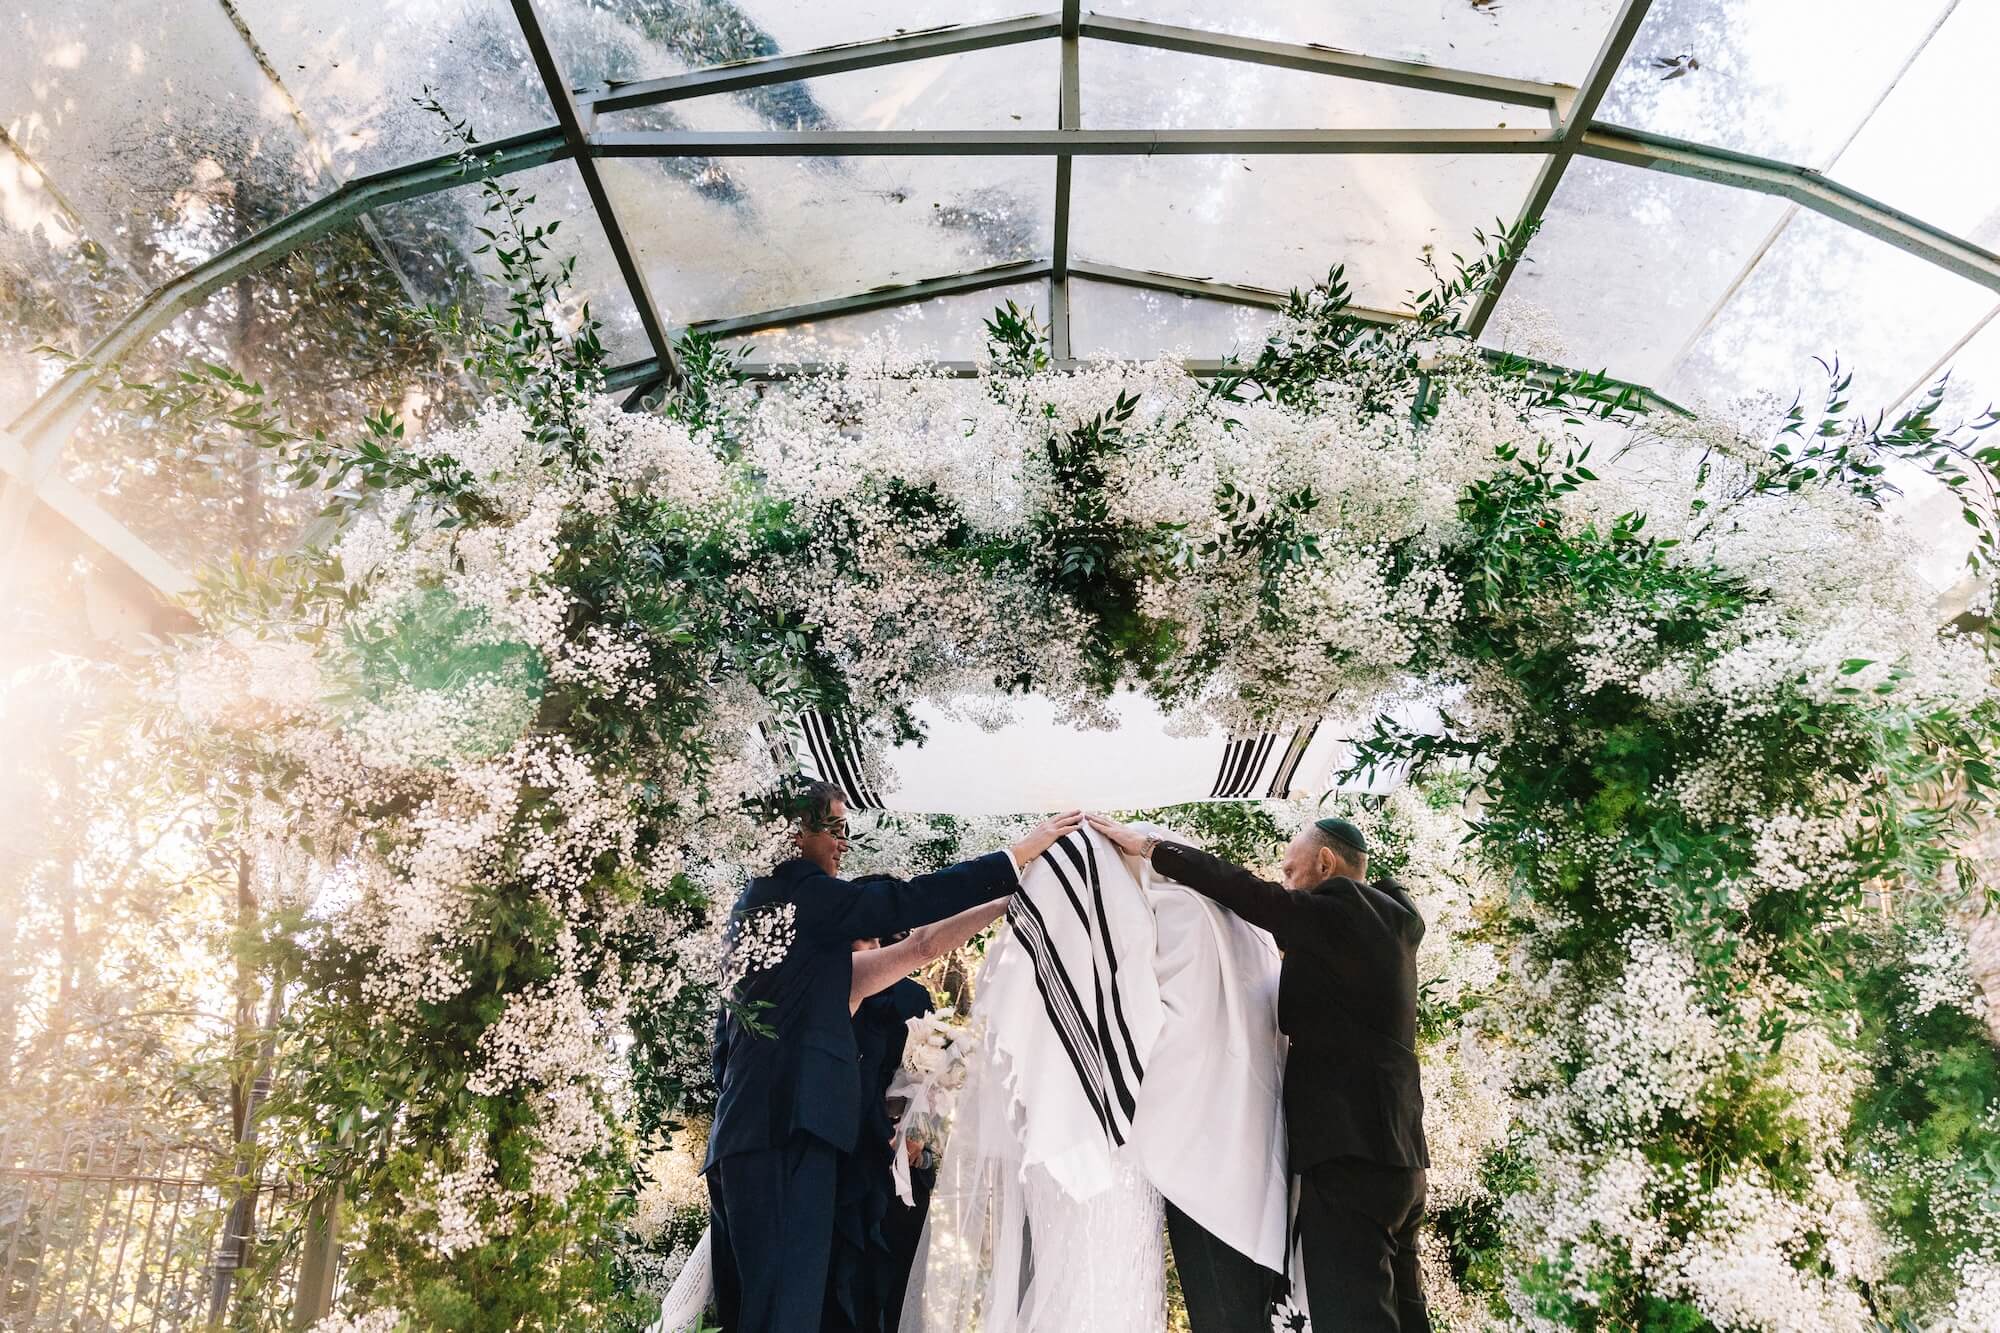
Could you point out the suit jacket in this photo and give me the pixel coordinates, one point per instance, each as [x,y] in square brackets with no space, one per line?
[1347,998]
[803,1076]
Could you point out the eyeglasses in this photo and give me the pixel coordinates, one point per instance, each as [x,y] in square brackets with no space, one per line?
[833,828]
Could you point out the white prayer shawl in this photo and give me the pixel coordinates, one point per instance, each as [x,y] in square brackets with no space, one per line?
[1130,1013]
[1211,1123]
[1072,1011]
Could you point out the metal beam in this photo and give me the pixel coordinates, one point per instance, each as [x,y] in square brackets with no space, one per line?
[932,43]
[1001,275]
[1316,59]
[878,298]
[1805,187]
[744,75]
[770,371]
[1069,118]
[1576,119]
[60,498]
[1215,291]
[1048,143]
[575,131]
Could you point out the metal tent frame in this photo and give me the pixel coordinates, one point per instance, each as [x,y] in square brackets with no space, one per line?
[31,447]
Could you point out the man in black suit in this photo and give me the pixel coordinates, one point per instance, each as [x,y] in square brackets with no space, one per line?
[789,1096]
[1354,1107]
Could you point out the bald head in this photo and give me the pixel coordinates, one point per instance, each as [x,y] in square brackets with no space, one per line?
[1323,849]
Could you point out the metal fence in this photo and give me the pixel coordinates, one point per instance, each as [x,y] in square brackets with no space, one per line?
[121,1229]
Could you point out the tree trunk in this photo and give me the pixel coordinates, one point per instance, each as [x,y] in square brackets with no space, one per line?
[251,1056]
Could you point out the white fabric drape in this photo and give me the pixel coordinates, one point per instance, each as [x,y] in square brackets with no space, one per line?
[690,1295]
[1211,1123]
[1129,1046]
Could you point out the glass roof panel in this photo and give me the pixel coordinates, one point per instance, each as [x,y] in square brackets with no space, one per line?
[1827,290]
[753,234]
[434,242]
[1790,79]
[1551,40]
[1915,149]
[355,68]
[323,331]
[1137,87]
[644,39]
[1132,323]
[1007,87]
[1282,221]
[58,286]
[154,124]
[1627,266]
[950,327]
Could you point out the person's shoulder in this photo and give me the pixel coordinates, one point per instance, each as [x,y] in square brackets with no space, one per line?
[912,999]
[1383,892]
[778,885]
[1392,891]
[796,871]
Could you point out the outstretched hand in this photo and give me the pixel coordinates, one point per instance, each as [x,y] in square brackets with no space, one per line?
[1044,836]
[1122,836]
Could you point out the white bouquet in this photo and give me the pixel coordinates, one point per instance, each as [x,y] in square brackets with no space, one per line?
[935,1057]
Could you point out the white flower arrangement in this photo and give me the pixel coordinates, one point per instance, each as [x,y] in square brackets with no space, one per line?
[936,1058]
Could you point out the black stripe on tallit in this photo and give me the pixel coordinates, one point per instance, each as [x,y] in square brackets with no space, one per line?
[1111,957]
[1281,782]
[816,745]
[838,760]
[1059,1000]
[845,736]
[1105,1046]
[1082,912]
[1230,753]
[1256,774]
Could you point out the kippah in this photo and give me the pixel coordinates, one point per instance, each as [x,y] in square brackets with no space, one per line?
[1342,831]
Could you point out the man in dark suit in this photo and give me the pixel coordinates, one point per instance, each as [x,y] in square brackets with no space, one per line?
[789,1096]
[1354,1107]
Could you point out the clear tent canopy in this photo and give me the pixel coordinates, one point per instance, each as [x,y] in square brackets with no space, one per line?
[1724,188]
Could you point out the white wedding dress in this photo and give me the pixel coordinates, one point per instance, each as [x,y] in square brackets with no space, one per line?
[1129,1049]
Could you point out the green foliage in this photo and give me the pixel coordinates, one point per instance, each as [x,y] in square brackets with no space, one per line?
[1926,1130]
[1836,447]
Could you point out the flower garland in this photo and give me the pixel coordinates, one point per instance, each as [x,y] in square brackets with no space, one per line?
[515,711]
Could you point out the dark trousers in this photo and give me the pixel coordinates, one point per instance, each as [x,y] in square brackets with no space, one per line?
[1226,1290]
[1358,1224]
[873,1278]
[770,1218]
[903,1228]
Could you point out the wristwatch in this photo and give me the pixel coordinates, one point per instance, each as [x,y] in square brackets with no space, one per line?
[1147,848]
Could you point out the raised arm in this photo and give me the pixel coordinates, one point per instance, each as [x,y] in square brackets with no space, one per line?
[1270,906]
[879,969]
[836,909]
[841,910]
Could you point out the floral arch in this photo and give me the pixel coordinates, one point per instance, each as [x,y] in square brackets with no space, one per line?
[507,739]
